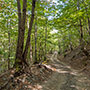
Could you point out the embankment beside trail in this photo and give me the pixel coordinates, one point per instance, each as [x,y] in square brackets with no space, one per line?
[78,60]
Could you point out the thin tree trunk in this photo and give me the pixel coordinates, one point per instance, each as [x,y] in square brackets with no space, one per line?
[9,45]
[88,19]
[88,29]
[81,31]
[31,53]
[45,40]
[71,48]
[59,46]
[89,25]
[39,53]
[36,40]
[32,47]
[29,31]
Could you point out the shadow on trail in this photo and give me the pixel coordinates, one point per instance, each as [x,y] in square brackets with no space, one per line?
[62,78]
[65,78]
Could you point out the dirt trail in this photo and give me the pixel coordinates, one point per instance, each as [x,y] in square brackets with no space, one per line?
[65,78]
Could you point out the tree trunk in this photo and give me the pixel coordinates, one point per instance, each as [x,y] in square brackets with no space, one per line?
[32,47]
[31,53]
[36,40]
[89,28]
[21,31]
[39,53]
[45,40]
[59,47]
[70,42]
[81,31]
[29,32]
[88,19]
[20,54]
[9,45]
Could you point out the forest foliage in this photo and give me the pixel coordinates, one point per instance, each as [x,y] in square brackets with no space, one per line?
[58,25]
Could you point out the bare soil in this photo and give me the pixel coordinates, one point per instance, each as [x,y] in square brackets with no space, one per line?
[65,77]
[78,60]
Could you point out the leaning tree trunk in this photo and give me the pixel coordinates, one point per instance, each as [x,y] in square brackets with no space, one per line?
[21,54]
[29,32]
[21,31]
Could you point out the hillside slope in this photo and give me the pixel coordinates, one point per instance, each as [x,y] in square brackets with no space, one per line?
[78,60]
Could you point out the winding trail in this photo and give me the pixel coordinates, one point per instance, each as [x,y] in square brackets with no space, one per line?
[65,78]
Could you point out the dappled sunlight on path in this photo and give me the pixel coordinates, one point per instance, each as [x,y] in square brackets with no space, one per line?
[62,78]
[65,78]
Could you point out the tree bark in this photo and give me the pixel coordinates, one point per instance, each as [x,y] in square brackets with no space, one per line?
[21,30]
[36,40]
[88,19]
[59,46]
[81,31]
[89,25]
[31,52]
[9,45]
[19,49]
[45,40]
[29,31]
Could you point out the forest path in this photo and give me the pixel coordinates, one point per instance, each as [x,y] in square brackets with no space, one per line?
[65,78]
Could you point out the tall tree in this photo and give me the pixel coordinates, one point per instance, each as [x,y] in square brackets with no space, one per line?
[81,31]
[21,54]
[45,40]
[36,39]
[9,41]
[21,31]
[29,31]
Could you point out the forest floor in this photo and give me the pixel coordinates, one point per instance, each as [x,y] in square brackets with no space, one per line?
[65,77]
[78,60]
[62,73]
